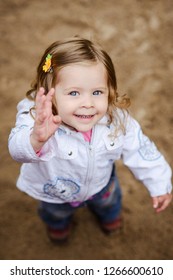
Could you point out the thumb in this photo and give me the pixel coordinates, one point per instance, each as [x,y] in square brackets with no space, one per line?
[57,119]
[155,202]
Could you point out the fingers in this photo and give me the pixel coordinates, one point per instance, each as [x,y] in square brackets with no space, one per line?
[57,120]
[43,105]
[45,122]
[41,97]
[160,203]
[155,202]
[50,94]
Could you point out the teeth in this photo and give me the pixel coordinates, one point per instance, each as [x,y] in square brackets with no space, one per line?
[84,116]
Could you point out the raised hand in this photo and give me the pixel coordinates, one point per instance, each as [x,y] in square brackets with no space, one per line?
[45,122]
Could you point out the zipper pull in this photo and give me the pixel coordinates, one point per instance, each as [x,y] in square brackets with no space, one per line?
[91,149]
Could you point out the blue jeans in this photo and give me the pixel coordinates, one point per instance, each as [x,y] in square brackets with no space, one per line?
[106,205]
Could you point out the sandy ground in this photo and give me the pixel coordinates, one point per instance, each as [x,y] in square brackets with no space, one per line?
[138,37]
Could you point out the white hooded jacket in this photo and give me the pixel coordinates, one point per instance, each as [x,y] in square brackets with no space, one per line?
[70,169]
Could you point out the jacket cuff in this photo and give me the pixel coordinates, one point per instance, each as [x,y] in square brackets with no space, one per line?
[25,151]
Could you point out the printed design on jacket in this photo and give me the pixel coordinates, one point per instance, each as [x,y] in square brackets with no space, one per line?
[61,188]
[147,150]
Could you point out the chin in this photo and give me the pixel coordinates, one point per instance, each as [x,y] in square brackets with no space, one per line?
[84,129]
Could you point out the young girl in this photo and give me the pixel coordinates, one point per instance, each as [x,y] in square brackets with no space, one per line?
[71,129]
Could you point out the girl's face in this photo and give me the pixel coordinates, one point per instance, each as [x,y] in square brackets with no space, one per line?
[81,94]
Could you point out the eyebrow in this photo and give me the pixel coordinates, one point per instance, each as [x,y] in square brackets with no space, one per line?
[78,88]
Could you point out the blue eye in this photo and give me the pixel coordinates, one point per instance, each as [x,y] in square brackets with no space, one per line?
[97,92]
[74,93]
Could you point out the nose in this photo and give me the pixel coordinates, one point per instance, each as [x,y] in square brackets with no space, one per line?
[87,101]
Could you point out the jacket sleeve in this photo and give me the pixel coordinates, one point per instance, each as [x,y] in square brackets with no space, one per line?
[19,144]
[147,164]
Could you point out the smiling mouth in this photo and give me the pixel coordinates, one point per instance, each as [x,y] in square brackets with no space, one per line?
[84,116]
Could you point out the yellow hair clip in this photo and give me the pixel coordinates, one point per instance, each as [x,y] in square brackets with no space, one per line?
[47,66]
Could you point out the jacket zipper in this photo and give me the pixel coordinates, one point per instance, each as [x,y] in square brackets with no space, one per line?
[90,167]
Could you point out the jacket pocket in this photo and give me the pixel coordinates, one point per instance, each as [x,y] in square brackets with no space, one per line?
[113,147]
[67,148]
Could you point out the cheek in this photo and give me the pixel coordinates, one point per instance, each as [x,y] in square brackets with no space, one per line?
[60,104]
[64,108]
[104,106]
[59,107]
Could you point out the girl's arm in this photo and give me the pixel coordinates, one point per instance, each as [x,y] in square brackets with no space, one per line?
[147,164]
[19,143]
